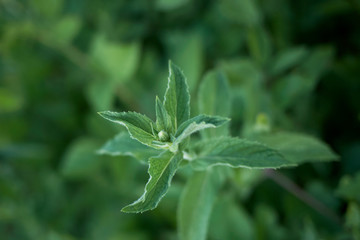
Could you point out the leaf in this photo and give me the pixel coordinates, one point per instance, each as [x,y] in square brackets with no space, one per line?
[235,152]
[177,97]
[229,220]
[196,124]
[288,59]
[123,145]
[161,170]
[214,99]
[349,188]
[168,5]
[244,12]
[118,61]
[80,159]
[298,148]
[65,29]
[195,205]
[139,126]
[163,121]
[259,44]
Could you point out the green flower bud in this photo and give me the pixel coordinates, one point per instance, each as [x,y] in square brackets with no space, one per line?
[163,136]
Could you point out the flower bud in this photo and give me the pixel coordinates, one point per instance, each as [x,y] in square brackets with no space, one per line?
[163,136]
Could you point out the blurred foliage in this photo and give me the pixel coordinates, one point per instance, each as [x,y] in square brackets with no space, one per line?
[61,61]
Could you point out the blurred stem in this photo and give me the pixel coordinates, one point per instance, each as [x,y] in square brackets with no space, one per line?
[290,186]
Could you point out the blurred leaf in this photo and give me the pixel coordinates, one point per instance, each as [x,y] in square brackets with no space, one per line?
[167,5]
[182,45]
[298,148]
[349,188]
[195,205]
[101,94]
[288,59]
[244,12]
[259,44]
[352,221]
[161,170]
[9,101]
[235,152]
[80,159]
[214,99]
[229,220]
[65,29]
[47,8]
[118,61]
[123,145]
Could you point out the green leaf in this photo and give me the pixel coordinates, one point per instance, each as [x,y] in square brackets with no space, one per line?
[195,205]
[288,59]
[196,124]
[163,121]
[80,159]
[214,99]
[139,126]
[298,148]
[235,152]
[65,29]
[349,188]
[123,145]
[161,170]
[118,61]
[177,97]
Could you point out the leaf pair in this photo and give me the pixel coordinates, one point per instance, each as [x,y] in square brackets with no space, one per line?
[167,135]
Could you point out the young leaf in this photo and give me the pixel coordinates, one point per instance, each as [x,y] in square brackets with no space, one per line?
[177,97]
[123,145]
[298,148]
[214,99]
[161,170]
[235,152]
[163,121]
[196,124]
[139,126]
[195,205]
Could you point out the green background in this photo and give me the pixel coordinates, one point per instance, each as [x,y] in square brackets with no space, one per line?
[63,61]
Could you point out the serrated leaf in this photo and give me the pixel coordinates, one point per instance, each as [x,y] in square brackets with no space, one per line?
[298,148]
[195,205]
[196,124]
[177,97]
[123,145]
[161,170]
[163,121]
[235,152]
[214,99]
[139,126]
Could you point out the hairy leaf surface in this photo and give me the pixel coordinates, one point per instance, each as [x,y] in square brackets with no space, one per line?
[123,145]
[177,97]
[235,152]
[161,170]
[139,126]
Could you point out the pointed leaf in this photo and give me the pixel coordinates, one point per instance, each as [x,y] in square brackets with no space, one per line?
[123,145]
[235,152]
[214,99]
[195,205]
[163,121]
[196,124]
[139,126]
[298,148]
[161,170]
[177,97]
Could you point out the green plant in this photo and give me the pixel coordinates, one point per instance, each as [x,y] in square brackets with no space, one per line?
[167,146]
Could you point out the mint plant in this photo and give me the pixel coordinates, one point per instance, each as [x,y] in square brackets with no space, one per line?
[166,146]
